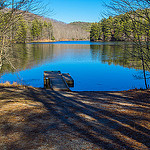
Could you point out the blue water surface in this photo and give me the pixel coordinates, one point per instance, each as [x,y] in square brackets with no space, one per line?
[92,68]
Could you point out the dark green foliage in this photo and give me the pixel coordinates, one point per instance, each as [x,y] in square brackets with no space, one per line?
[21,31]
[36,29]
[95,32]
[107,25]
[53,38]
[26,30]
[125,27]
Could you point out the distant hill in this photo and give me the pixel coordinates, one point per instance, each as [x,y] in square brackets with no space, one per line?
[56,31]
[63,31]
[84,25]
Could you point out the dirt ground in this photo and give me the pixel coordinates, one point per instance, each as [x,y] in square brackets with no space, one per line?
[38,119]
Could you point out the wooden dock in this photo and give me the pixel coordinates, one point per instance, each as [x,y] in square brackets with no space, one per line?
[57,81]
[68,79]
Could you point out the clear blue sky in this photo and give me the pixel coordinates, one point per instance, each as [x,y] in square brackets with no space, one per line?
[76,10]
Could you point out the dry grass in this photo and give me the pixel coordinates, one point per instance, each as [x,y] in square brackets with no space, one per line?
[8,84]
[33,118]
[14,84]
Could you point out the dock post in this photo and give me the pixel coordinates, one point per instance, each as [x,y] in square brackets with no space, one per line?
[46,83]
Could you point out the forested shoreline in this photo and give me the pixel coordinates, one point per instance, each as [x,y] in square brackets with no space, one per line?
[29,27]
[124,27]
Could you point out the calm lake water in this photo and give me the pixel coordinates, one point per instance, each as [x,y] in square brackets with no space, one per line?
[94,66]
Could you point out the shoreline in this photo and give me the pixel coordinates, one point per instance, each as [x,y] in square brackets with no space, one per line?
[45,40]
[15,84]
[51,41]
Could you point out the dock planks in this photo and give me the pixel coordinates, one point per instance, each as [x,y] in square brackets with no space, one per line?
[56,81]
[68,79]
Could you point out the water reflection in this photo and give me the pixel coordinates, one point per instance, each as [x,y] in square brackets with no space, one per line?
[93,67]
[115,54]
[26,56]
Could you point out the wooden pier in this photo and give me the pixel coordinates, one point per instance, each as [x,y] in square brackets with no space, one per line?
[68,79]
[57,81]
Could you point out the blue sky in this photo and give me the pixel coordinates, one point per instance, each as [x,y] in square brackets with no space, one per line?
[76,10]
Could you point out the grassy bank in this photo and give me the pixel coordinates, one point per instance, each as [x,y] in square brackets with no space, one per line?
[32,118]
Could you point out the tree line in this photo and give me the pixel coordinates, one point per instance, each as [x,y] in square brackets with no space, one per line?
[22,21]
[14,28]
[25,30]
[131,23]
[124,27]
[30,27]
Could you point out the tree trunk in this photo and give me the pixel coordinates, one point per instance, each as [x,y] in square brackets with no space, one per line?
[144,72]
[1,52]
[1,62]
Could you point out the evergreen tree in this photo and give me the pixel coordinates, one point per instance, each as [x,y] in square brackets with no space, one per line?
[106,28]
[124,27]
[95,32]
[36,29]
[21,32]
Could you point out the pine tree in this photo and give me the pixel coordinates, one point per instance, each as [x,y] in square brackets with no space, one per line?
[36,29]
[106,29]
[20,36]
[95,32]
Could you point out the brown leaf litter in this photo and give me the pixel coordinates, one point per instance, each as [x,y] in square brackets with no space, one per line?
[41,119]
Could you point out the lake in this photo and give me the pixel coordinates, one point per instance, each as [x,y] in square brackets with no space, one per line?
[94,66]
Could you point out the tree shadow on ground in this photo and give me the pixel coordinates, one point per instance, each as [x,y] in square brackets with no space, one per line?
[83,120]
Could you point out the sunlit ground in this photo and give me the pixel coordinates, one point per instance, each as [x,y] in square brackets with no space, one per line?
[38,119]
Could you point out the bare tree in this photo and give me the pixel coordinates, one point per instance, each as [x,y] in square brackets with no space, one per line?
[137,29]
[10,10]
